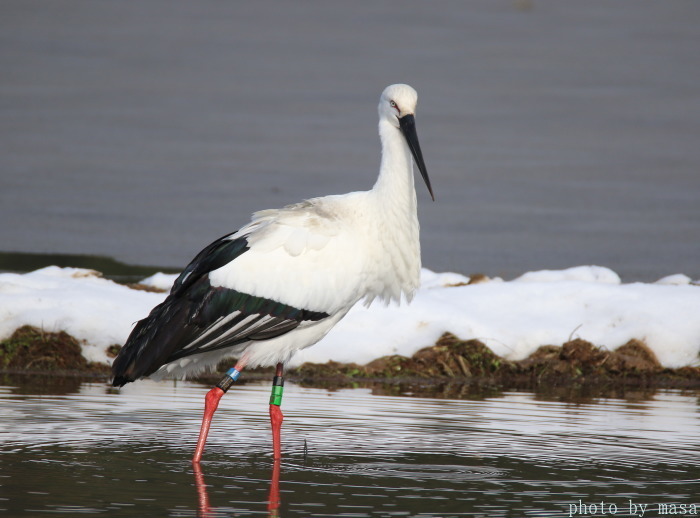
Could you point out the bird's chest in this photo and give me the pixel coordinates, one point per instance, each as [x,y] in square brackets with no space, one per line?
[393,261]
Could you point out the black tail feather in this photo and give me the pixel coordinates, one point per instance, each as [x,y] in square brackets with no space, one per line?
[120,381]
[153,341]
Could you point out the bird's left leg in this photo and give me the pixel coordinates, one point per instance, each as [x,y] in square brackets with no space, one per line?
[211,403]
[275,412]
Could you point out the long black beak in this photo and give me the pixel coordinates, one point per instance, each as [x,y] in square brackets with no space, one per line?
[408,128]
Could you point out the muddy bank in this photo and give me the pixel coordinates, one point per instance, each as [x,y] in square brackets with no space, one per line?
[452,361]
[450,368]
[35,350]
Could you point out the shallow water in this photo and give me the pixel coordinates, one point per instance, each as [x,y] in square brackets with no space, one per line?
[85,449]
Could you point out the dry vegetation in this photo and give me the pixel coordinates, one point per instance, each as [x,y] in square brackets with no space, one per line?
[450,360]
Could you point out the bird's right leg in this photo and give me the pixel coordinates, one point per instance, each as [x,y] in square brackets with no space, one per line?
[211,403]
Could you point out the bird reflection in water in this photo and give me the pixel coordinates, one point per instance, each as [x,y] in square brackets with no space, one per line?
[204,509]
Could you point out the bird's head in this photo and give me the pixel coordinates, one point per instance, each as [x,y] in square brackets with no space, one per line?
[397,101]
[397,105]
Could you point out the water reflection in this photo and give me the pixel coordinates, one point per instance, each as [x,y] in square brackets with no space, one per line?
[88,450]
[204,509]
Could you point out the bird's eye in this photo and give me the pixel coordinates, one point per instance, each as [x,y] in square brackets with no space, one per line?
[393,105]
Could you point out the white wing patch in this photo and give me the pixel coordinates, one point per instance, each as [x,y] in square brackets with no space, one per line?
[296,228]
[308,255]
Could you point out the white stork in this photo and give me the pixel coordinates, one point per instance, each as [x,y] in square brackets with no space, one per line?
[281,282]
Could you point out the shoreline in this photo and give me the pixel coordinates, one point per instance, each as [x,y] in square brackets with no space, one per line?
[450,367]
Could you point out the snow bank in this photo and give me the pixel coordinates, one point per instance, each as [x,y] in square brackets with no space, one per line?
[160,281]
[512,318]
[76,301]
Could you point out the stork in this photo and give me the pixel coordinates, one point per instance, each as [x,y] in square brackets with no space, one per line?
[281,282]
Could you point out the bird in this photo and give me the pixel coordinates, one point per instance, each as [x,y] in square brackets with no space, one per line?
[281,282]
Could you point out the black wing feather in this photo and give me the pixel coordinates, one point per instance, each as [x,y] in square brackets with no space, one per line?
[214,256]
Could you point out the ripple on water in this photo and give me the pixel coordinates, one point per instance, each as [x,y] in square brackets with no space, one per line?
[347,452]
[410,471]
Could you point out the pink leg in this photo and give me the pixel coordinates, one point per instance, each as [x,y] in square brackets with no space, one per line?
[276,413]
[211,403]
[276,422]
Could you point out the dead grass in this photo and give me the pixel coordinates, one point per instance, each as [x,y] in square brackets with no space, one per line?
[450,360]
[576,361]
[33,349]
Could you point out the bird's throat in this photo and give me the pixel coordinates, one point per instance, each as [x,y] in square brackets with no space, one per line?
[395,185]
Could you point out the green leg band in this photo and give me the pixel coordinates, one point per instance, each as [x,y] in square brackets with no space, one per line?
[277,390]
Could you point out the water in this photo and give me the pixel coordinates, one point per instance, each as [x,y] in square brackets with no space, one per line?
[555,133]
[83,449]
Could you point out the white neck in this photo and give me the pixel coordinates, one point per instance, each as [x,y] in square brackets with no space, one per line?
[396,225]
[395,186]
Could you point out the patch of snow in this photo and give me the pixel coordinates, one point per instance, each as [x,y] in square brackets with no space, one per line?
[512,318]
[429,280]
[678,279]
[160,280]
[577,273]
[74,300]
